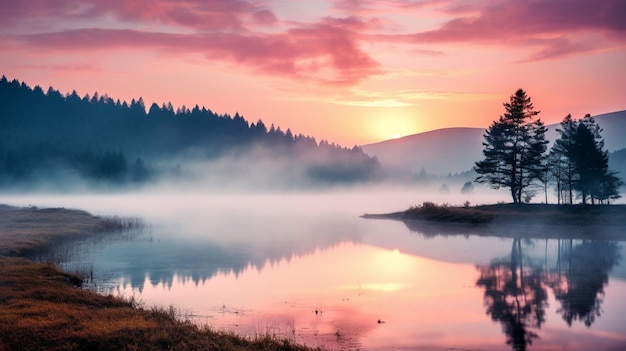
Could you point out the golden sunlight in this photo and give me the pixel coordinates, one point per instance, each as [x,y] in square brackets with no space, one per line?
[393,127]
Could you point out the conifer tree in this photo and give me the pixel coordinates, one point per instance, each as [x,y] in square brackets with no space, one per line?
[580,162]
[514,149]
[562,165]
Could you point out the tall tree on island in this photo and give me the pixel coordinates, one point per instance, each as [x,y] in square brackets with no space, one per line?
[562,165]
[591,161]
[581,163]
[514,149]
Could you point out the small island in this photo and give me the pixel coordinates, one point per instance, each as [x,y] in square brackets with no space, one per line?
[516,220]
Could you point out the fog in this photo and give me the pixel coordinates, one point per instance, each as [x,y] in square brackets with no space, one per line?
[249,228]
[267,260]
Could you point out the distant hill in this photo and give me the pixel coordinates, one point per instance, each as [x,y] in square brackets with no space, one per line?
[454,150]
[440,151]
[617,162]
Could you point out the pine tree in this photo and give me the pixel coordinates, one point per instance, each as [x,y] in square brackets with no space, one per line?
[514,149]
[579,162]
[609,187]
[562,165]
[590,163]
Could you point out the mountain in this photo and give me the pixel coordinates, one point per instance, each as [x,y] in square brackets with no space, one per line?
[454,150]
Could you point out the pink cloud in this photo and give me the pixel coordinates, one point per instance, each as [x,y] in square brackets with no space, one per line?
[302,53]
[559,47]
[196,14]
[374,6]
[522,22]
[327,51]
[71,68]
[264,17]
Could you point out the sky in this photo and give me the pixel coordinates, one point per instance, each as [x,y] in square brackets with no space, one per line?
[347,71]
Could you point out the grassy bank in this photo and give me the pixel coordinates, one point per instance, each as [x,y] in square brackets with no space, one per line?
[610,215]
[29,231]
[42,308]
[515,220]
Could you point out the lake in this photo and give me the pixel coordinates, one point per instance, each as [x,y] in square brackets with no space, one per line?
[306,267]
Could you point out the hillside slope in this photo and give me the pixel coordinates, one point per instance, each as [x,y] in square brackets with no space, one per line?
[54,140]
[454,150]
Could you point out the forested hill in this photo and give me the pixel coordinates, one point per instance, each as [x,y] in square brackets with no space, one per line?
[48,135]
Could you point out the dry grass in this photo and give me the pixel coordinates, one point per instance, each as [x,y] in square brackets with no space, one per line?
[41,308]
[606,215]
[26,231]
[605,222]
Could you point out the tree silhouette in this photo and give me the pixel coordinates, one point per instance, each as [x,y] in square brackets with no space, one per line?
[590,163]
[467,188]
[579,162]
[96,137]
[514,149]
[514,296]
[560,163]
[582,272]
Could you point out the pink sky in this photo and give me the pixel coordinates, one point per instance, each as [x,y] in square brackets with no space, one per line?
[352,72]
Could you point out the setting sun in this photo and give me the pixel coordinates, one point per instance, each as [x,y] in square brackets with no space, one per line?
[394,126]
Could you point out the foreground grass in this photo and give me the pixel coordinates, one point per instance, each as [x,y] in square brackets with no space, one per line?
[42,308]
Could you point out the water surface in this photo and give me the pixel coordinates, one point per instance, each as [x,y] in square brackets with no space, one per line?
[305,267]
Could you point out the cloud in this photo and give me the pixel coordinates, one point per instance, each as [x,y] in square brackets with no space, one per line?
[214,15]
[325,52]
[375,6]
[553,25]
[70,68]
[397,98]
[559,47]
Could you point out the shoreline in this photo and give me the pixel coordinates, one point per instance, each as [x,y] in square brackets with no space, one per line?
[533,221]
[42,307]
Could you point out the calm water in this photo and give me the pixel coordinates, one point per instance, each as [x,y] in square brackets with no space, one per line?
[307,268]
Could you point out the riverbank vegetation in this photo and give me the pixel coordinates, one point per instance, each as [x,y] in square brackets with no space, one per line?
[528,221]
[614,215]
[43,308]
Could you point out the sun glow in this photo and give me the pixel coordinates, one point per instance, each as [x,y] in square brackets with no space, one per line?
[393,126]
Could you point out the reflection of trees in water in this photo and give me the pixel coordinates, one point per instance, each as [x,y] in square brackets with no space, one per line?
[580,276]
[166,259]
[514,296]
[516,287]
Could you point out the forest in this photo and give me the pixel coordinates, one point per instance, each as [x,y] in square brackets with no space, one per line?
[56,139]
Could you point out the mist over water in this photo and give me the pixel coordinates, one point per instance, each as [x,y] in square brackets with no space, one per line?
[304,266]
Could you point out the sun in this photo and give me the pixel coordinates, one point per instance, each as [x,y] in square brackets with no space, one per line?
[393,126]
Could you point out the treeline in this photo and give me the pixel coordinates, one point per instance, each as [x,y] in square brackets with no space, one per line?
[516,157]
[47,133]
[577,162]
[46,163]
